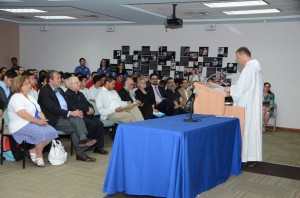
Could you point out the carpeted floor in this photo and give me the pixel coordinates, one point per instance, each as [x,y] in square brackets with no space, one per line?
[77,179]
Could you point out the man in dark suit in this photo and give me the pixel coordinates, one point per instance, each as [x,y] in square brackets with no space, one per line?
[54,106]
[157,93]
[76,100]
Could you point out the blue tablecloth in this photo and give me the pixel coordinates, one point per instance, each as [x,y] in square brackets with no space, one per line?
[168,157]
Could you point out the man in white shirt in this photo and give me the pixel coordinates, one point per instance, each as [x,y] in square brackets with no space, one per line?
[111,107]
[247,92]
[83,80]
[94,90]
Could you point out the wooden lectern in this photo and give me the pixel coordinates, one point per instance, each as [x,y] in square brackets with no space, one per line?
[210,99]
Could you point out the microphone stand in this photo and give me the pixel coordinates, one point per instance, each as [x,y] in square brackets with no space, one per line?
[190,119]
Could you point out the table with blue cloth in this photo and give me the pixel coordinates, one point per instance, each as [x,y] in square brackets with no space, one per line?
[168,157]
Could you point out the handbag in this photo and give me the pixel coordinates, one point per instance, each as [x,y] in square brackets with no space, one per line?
[57,154]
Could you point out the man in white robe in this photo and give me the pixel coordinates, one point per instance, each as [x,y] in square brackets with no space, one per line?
[247,92]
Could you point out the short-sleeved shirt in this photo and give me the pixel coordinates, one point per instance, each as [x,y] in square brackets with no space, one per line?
[18,102]
[83,70]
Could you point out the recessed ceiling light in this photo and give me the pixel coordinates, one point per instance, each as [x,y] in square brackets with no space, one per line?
[235,4]
[23,10]
[263,11]
[55,17]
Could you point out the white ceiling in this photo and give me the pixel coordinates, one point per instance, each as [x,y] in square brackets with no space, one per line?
[141,12]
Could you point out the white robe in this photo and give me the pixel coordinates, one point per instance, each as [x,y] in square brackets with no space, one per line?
[247,92]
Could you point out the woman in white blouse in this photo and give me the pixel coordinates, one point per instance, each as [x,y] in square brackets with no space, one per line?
[27,122]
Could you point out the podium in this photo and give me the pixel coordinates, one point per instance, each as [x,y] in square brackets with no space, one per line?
[210,99]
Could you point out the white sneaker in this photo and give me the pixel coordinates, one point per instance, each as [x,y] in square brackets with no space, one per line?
[40,162]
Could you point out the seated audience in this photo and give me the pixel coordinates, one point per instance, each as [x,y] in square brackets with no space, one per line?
[119,82]
[111,107]
[5,84]
[77,101]
[174,96]
[184,91]
[157,93]
[147,104]
[268,104]
[195,77]
[27,122]
[94,90]
[162,84]
[103,69]
[54,106]
[41,82]
[83,89]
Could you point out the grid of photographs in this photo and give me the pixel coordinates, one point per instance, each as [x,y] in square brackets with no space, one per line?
[164,61]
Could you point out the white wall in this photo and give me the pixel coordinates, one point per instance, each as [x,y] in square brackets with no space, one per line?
[275,45]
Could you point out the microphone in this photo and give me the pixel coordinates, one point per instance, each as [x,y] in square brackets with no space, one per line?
[192,96]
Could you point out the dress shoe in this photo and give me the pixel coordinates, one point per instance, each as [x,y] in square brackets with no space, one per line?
[86,142]
[100,151]
[85,158]
[248,164]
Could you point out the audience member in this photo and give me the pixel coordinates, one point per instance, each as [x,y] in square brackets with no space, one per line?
[54,106]
[162,84]
[32,82]
[111,107]
[83,89]
[125,92]
[14,63]
[5,84]
[94,90]
[82,68]
[147,104]
[268,104]
[103,69]
[174,96]
[157,94]
[77,101]
[120,82]
[41,82]
[184,91]
[27,122]
[195,77]
[64,79]
[2,71]
[90,80]
[121,70]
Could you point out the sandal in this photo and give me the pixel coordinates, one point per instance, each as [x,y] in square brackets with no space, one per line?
[40,162]
[32,157]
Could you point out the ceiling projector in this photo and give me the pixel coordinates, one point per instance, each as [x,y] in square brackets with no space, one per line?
[172,22]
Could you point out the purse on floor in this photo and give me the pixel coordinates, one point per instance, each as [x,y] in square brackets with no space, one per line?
[57,154]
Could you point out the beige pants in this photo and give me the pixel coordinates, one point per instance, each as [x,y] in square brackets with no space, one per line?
[128,115]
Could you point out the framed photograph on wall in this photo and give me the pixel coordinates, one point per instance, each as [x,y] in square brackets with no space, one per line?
[222,51]
[136,55]
[203,51]
[153,65]
[193,56]
[145,50]
[117,54]
[125,50]
[231,67]
[184,51]
[136,64]
[184,61]
[153,55]
[162,50]
[145,59]
[128,59]
[144,70]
